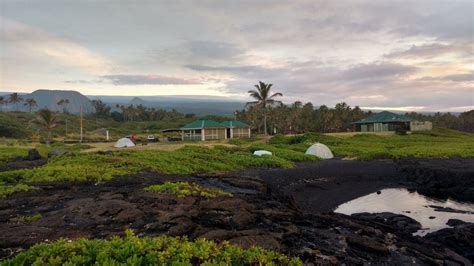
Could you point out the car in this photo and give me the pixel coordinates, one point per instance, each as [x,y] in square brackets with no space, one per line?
[174,138]
[152,138]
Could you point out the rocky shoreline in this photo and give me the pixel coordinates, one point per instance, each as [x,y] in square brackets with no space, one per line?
[284,210]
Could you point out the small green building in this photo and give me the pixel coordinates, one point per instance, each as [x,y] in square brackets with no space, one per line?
[384,121]
[212,130]
[237,129]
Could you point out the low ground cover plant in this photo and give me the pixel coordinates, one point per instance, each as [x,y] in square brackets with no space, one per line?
[29,218]
[186,189]
[162,250]
[7,190]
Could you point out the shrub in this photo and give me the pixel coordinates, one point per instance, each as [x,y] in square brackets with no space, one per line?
[185,189]
[162,250]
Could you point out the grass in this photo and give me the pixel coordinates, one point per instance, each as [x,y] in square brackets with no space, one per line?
[186,189]
[162,250]
[439,143]
[29,218]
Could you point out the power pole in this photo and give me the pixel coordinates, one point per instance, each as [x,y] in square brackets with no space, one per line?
[65,137]
[80,120]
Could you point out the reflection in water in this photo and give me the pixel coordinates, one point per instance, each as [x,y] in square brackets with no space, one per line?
[411,204]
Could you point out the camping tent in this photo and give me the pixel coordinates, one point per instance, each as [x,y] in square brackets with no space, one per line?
[320,150]
[261,152]
[124,142]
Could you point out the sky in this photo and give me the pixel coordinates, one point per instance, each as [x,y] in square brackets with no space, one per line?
[396,55]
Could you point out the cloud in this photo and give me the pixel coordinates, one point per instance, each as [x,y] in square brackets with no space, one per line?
[147,80]
[37,43]
[460,77]
[464,77]
[377,70]
[212,49]
[432,50]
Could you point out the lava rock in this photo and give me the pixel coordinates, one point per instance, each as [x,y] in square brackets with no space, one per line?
[57,152]
[33,155]
[398,222]
[455,222]
[459,238]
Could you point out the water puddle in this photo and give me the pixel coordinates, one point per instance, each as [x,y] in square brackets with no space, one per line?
[432,214]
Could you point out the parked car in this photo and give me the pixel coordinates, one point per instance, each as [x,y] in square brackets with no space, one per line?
[152,138]
[174,138]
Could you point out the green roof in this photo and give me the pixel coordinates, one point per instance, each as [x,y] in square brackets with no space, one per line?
[203,124]
[384,117]
[234,123]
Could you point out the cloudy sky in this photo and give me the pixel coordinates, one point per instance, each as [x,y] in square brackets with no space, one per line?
[402,55]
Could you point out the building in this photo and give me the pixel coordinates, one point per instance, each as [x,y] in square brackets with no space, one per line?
[212,130]
[237,129]
[203,130]
[388,121]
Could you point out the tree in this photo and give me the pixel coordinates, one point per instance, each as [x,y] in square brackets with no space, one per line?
[30,103]
[2,102]
[65,103]
[15,99]
[263,99]
[101,108]
[47,120]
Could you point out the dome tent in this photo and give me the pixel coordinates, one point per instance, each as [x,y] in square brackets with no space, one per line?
[124,142]
[320,150]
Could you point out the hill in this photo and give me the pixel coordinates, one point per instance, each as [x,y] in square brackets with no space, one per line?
[50,98]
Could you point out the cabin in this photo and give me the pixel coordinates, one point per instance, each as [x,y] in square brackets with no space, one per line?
[388,121]
[236,129]
[212,130]
[203,130]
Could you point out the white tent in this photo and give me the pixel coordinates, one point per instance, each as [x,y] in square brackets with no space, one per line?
[320,150]
[261,152]
[124,142]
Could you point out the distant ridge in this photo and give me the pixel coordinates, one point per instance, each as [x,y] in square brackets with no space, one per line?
[137,101]
[50,98]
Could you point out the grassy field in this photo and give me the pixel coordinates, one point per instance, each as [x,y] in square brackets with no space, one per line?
[218,157]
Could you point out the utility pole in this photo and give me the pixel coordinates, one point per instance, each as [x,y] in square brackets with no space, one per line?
[80,120]
[65,137]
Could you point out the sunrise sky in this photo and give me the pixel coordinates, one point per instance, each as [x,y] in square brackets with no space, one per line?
[400,55]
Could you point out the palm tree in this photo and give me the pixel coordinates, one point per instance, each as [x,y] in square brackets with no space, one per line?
[263,99]
[30,103]
[14,98]
[47,120]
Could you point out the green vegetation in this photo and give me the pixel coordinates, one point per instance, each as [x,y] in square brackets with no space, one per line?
[22,125]
[79,167]
[439,143]
[187,160]
[161,250]
[29,218]
[9,153]
[7,190]
[186,189]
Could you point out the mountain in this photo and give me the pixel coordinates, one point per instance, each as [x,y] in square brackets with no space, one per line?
[137,101]
[195,104]
[50,98]
[199,105]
